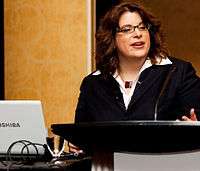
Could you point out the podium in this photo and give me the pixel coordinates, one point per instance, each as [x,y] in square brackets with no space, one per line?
[102,139]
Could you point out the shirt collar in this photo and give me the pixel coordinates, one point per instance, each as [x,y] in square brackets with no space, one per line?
[148,63]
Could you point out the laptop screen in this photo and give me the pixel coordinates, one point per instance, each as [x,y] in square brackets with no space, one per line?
[22,127]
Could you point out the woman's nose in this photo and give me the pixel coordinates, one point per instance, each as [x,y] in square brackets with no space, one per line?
[137,33]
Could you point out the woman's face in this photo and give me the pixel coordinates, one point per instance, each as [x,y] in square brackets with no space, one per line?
[132,39]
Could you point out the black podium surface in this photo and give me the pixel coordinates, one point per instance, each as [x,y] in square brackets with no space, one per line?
[57,165]
[132,136]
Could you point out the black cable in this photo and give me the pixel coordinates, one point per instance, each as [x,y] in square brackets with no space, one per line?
[25,146]
[35,146]
[30,144]
[24,155]
[9,154]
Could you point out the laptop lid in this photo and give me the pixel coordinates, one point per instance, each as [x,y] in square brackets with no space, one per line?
[22,127]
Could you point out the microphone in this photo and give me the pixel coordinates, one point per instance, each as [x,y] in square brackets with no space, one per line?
[162,91]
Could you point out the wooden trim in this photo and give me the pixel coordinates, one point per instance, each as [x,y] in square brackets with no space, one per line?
[2,50]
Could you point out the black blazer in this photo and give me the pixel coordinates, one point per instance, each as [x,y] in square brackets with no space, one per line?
[171,90]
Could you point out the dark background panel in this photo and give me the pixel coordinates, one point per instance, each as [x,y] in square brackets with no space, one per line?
[101,7]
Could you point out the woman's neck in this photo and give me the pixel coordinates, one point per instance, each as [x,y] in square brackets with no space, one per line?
[129,69]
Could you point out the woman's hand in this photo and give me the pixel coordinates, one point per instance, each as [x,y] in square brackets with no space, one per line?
[192,116]
[74,149]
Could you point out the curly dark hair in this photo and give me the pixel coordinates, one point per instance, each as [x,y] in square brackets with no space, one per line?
[106,55]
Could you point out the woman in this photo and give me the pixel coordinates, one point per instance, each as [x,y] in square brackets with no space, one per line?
[136,79]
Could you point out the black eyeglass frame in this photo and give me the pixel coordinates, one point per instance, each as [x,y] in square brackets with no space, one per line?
[127,29]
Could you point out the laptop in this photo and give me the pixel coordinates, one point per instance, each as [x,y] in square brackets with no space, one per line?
[22,128]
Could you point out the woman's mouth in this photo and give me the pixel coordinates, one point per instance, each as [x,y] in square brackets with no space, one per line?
[139,44]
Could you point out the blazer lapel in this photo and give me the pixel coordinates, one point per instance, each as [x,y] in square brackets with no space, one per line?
[147,78]
[113,92]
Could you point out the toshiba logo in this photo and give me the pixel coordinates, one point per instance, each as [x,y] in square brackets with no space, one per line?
[9,124]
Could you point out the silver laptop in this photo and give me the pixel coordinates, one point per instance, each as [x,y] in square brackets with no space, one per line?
[22,127]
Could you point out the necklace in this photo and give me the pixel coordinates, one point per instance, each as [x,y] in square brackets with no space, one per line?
[128,84]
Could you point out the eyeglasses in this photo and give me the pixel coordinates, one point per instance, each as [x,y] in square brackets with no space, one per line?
[127,29]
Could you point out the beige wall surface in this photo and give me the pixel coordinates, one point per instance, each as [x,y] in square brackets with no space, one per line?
[45,53]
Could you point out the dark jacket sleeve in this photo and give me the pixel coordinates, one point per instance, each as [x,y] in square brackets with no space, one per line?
[81,108]
[189,90]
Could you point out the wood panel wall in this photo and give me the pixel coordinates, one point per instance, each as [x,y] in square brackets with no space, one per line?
[45,54]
